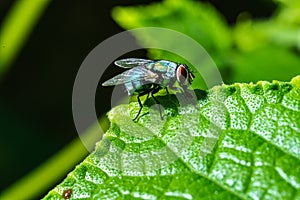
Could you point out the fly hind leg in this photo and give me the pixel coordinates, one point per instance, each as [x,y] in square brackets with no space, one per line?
[140,103]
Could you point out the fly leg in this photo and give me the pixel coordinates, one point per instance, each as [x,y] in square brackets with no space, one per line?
[141,106]
[167,90]
[154,91]
[147,96]
[140,103]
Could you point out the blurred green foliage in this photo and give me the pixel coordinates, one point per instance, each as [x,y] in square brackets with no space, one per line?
[247,51]
[14,32]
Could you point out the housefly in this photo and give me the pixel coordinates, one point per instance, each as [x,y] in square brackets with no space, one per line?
[148,77]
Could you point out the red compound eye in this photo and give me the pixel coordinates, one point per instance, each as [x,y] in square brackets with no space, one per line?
[181,73]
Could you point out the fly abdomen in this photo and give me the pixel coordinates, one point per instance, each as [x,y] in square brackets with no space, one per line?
[136,87]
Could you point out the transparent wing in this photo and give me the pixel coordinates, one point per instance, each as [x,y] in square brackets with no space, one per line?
[132,62]
[134,74]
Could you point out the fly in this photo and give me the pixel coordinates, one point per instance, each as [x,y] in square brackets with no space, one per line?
[148,77]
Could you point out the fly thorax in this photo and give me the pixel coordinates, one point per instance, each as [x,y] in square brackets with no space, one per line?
[161,68]
[150,66]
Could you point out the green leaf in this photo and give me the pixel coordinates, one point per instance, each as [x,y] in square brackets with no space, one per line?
[242,143]
[275,32]
[265,63]
[16,28]
[289,12]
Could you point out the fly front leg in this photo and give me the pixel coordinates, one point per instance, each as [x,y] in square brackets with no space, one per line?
[154,91]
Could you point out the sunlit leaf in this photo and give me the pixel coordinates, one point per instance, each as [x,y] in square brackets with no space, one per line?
[242,143]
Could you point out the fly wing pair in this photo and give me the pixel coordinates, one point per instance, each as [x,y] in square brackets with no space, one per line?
[138,72]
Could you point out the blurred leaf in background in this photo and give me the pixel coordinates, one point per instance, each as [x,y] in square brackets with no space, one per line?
[271,45]
[15,32]
[249,50]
